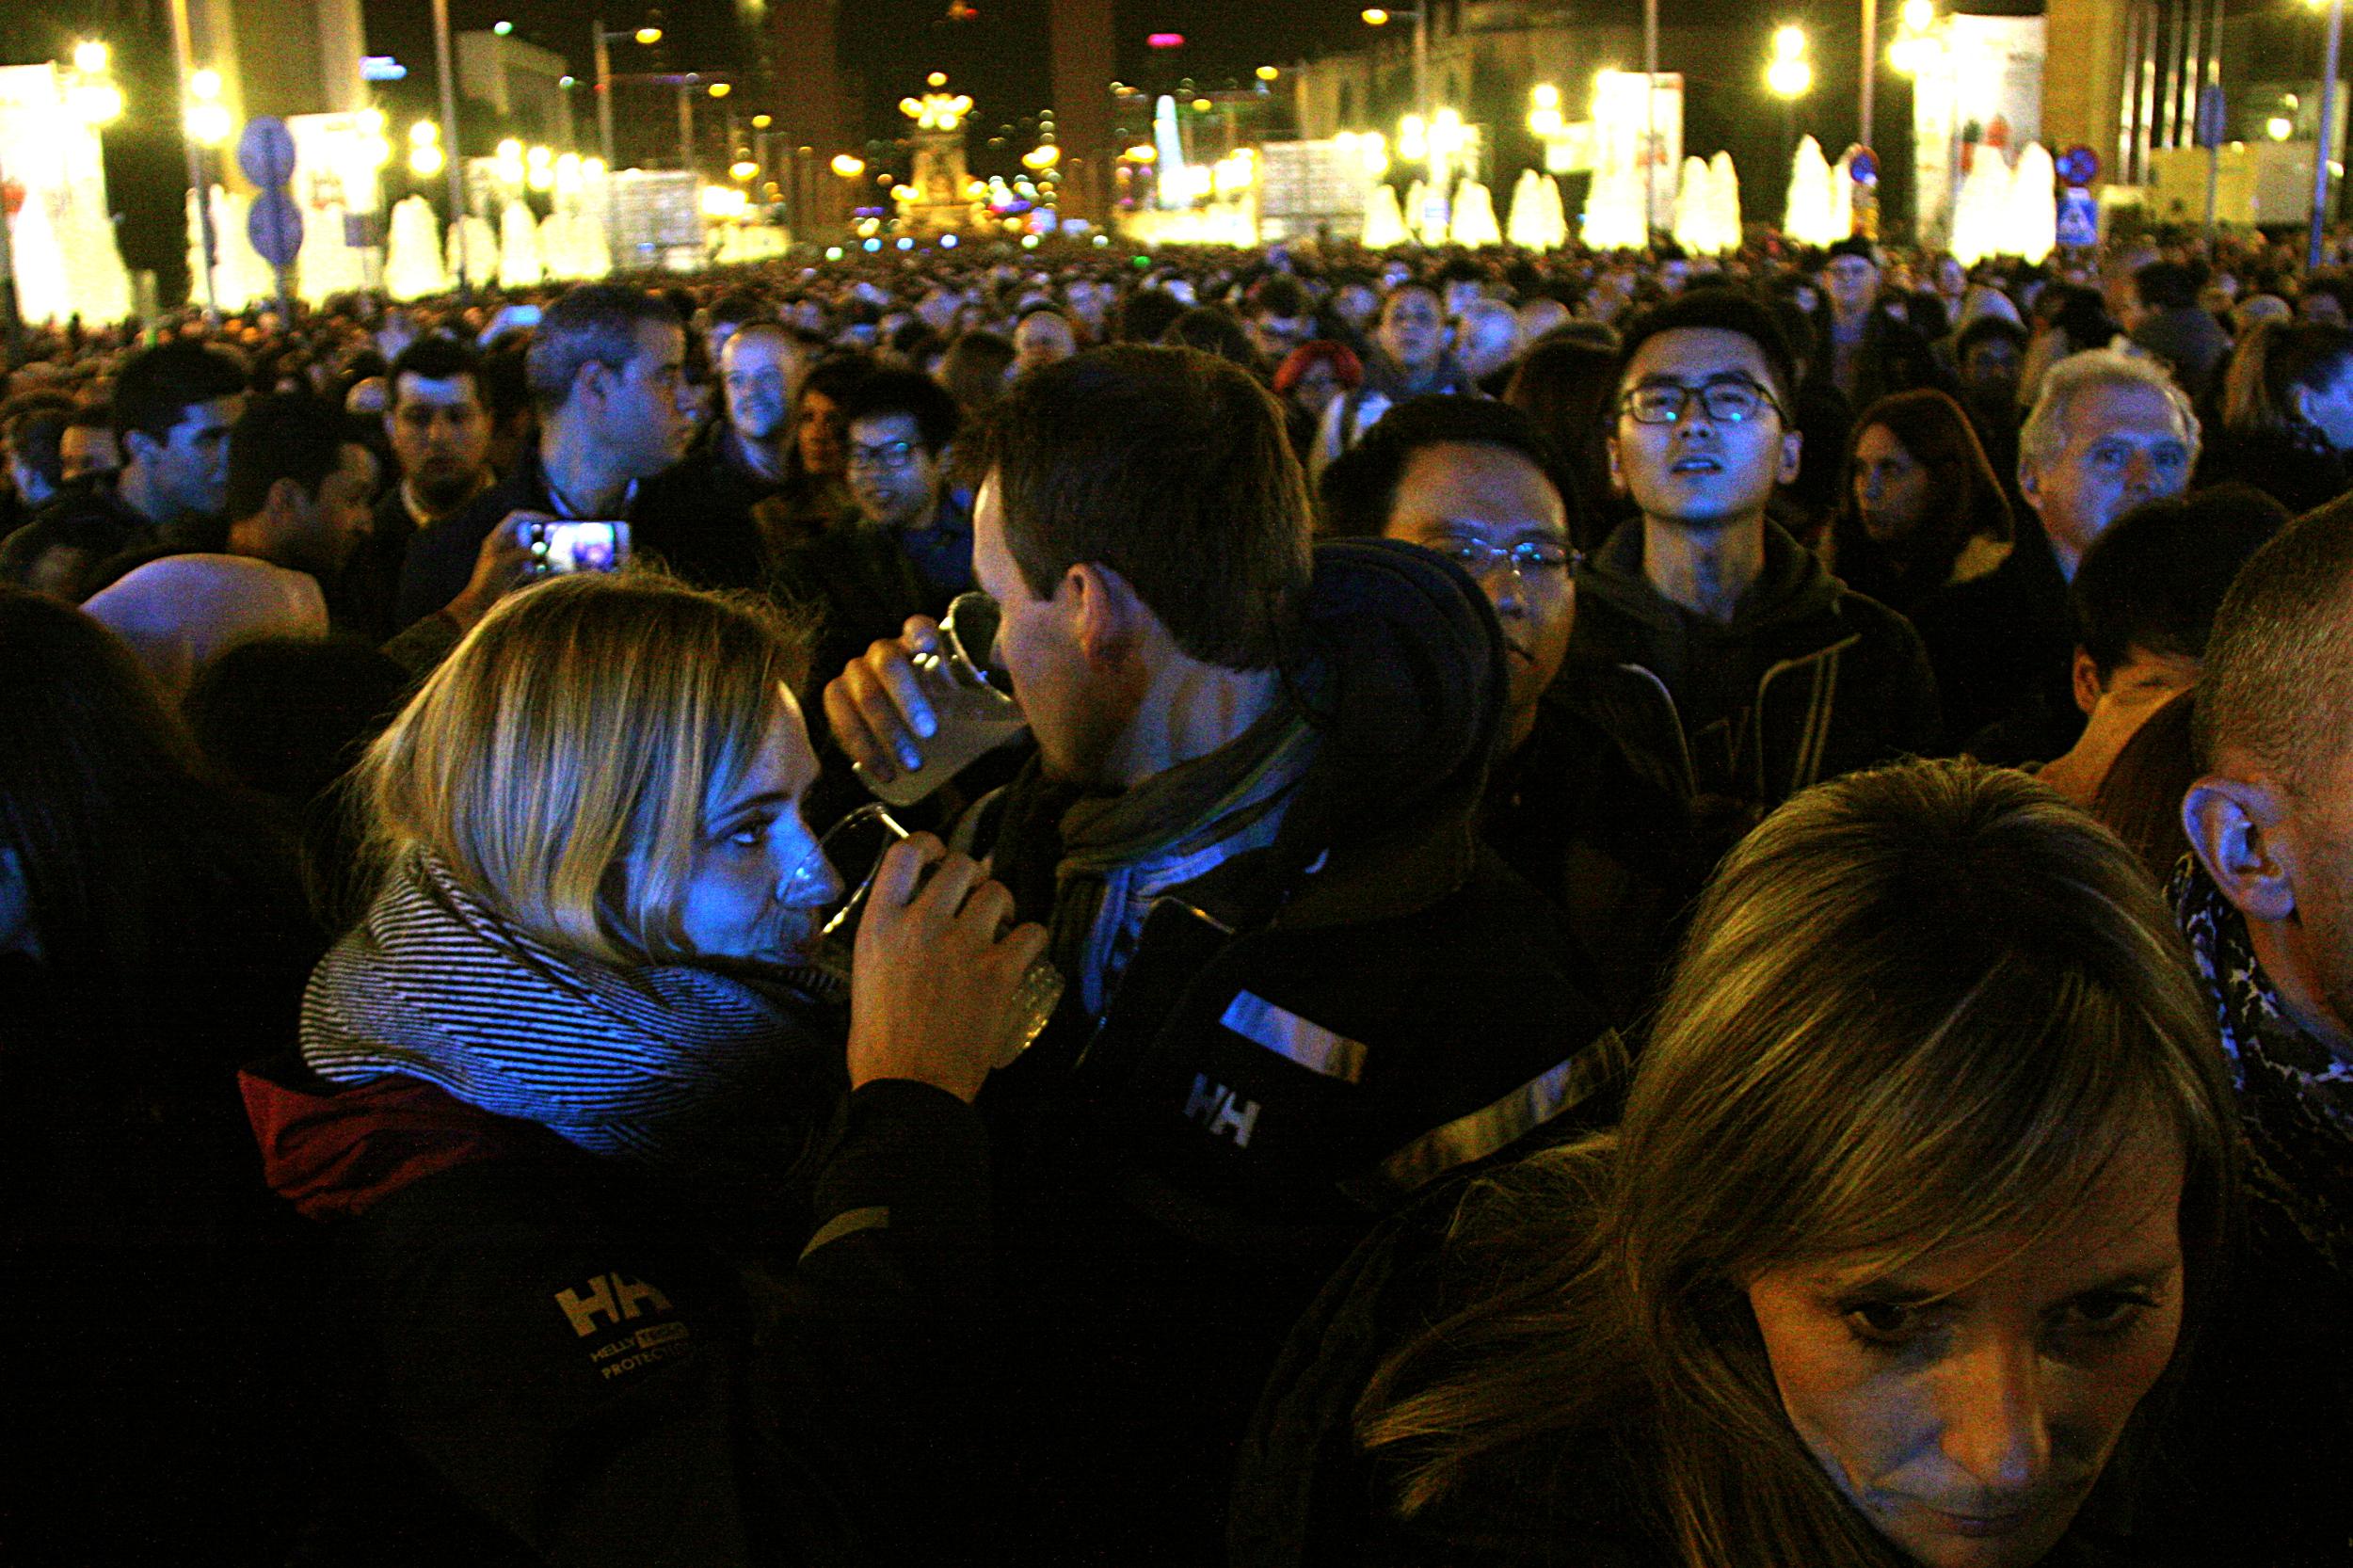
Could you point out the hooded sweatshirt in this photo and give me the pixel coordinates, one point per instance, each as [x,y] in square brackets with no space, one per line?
[1806,681]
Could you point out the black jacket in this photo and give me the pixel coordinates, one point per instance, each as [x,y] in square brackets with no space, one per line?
[1808,681]
[441,560]
[586,1368]
[699,518]
[2003,647]
[1180,1176]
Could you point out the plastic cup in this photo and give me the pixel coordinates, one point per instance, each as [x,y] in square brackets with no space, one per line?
[976,711]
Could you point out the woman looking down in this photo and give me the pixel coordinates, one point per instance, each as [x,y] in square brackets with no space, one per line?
[1891,1261]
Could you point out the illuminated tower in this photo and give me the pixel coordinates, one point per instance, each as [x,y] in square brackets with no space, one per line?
[934,201]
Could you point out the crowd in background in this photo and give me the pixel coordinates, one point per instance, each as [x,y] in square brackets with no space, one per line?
[1655,910]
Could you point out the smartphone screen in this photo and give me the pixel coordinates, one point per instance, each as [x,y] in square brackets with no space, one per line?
[559,548]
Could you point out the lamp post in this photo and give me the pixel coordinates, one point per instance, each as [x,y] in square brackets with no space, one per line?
[1870,66]
[454,163]
[184,52]
[1419,16]
[2328,116]
[599,37]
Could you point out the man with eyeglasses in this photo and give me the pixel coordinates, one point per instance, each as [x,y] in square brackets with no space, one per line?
[911,553]
[1475,481]
[1734,668]
[706,511]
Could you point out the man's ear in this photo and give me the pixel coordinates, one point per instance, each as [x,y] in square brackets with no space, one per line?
[2085,678]
[2235,829]
[1792,449]
[593,380]
[1106,616]
[2029,481]
[1617,472]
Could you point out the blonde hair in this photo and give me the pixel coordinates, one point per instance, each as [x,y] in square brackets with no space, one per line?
[1918,1007]
[562,761]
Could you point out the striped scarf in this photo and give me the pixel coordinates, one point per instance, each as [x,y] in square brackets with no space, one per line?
[678,1068]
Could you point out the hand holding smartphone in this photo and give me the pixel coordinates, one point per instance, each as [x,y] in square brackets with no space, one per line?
[558,548]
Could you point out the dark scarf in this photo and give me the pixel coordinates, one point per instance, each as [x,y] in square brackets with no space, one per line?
[1173,829]
[2294,1094]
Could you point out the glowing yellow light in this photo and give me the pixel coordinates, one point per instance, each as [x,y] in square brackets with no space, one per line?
[423,132]
[540,157]
[1201,105]
[542,178]
[1544,123]
[205,86]
[1789,78]
[372,122]
[379,151]
[95,103]
[936,79]
[1042,157]
[510,150]
[1788,42]
[848,166]
[567,173]
[91,58]
[1267,73]
[761,121]
[425,159]
[649,34]
[208,124]
[1412,138]
[1375,17]
[720,89]
[723,202]
[2278,127]
[1544,95]
[1919,15]
[868,227]
[592,168]
[1142,152]
[743,169]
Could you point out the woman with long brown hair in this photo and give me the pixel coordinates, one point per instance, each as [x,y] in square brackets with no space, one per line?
[1920,1190]
[1920,509]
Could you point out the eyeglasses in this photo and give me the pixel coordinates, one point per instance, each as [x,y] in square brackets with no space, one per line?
[1732,401]
[892,456]
[1530,560]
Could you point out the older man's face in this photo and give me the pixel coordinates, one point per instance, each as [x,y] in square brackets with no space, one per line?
[2126,444]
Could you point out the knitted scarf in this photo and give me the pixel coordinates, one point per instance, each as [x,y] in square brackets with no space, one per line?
[677,1068]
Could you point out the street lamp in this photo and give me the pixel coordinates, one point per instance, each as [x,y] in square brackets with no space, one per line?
[599,37]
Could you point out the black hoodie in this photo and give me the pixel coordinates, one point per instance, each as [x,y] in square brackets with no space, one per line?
[1181,1175]
[1806,681]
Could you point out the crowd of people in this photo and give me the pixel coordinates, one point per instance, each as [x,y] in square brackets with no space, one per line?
[1633,911]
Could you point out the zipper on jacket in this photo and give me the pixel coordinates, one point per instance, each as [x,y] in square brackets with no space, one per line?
[1674,719]
[1814,734]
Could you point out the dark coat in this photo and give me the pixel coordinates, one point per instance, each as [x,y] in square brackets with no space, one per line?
[583,1368]
[1808,681]
[1180,1176]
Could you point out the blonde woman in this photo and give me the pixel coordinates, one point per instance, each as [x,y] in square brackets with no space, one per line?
[628,1210]
[1920,1188]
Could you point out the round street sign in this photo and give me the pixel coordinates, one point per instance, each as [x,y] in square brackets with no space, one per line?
[275,227]
[1864,166]
[266,151]
[2079,165]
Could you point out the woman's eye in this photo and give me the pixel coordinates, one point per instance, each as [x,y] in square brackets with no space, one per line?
[750,836]
[2107,1312]
[1881,1322]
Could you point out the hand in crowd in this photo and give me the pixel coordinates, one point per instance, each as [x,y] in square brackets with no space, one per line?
[499,566]
[934,971]
[876,706]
